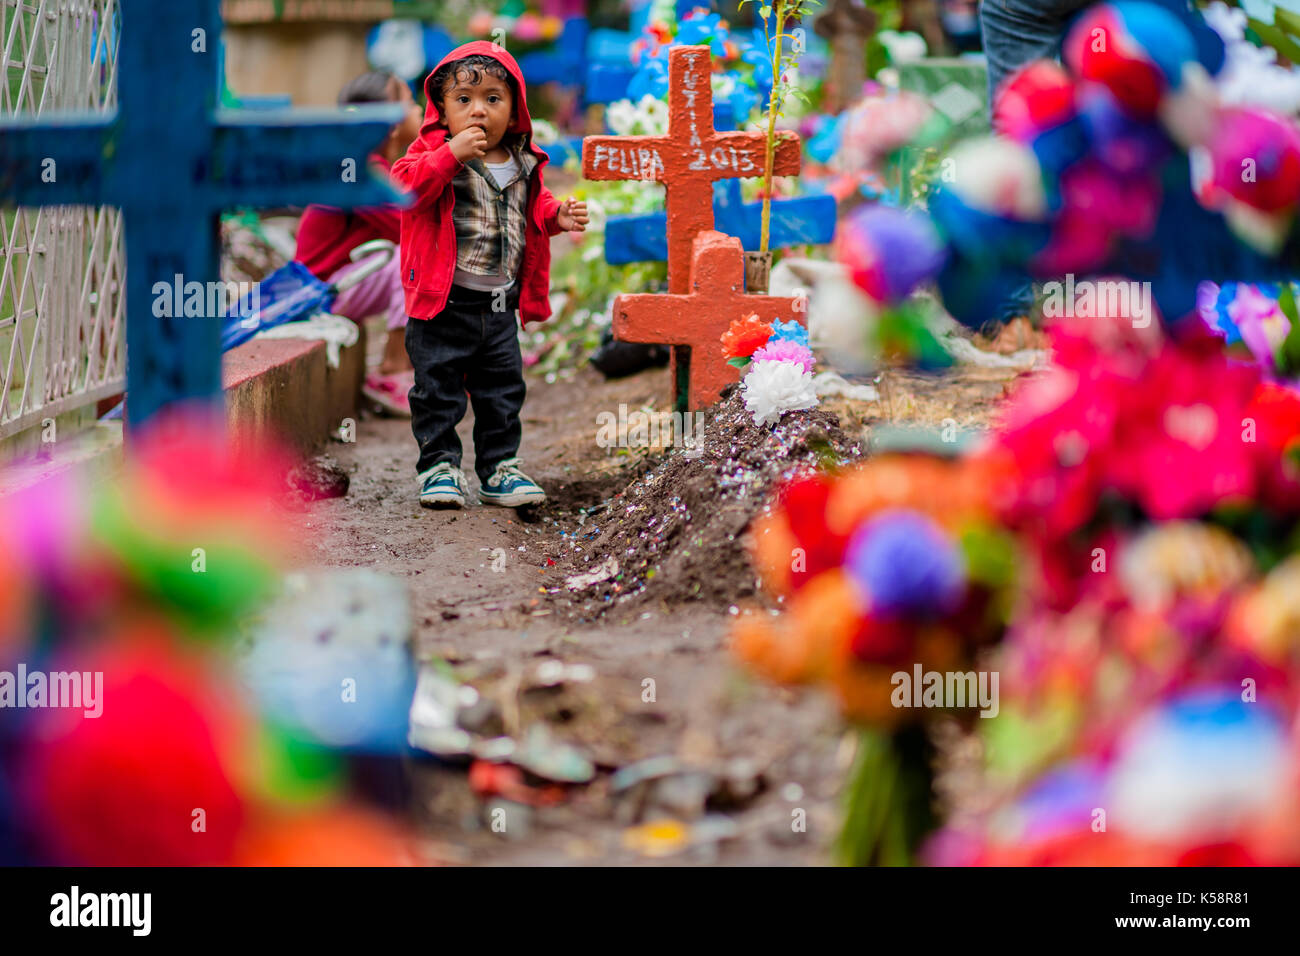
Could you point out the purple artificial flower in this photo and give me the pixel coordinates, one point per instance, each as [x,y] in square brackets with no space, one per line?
[906,564]
[890,252]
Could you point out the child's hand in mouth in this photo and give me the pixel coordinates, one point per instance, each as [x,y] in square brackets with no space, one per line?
[469,143]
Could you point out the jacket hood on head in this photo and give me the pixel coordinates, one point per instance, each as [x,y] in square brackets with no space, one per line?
[523,123]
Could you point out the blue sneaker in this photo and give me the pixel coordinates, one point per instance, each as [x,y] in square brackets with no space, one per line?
[442,486]
[510,487]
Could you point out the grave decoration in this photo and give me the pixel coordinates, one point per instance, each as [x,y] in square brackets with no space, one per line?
[687,161]
[777,363]
[1251,74]
[1120,551]
[216,159]
[735,94]
[1161,631]
[889,253]
[1090,176]
[740,77]
[1124,538]
[1255,321]
[696,321]
[126,604]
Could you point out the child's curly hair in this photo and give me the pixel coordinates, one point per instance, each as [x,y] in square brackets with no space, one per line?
[470,69]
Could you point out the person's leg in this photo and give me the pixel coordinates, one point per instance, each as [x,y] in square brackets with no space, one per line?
[496,389]
[1016,32]
[378,294]
[441,349]
[395,361]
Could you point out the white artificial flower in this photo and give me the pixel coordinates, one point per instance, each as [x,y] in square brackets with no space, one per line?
[598,214]
[544,132]
[771,388]
[840,320]
[1228,22]
[621,115]
[902,47]
[1251,74]
[1000,177]
[651,116]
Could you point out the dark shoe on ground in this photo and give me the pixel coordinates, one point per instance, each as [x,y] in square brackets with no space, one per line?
[442,486]
[510,487]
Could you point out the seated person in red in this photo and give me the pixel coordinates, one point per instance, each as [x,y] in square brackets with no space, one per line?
[326,237]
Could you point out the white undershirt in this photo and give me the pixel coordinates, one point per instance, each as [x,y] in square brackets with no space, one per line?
[503,173]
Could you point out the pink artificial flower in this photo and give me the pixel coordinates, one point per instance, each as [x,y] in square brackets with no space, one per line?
[1164,431]
[784,350]
[1097,208]
[1180,450]
[1261,321]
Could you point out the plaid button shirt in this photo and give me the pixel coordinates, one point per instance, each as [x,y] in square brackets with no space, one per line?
[491,221]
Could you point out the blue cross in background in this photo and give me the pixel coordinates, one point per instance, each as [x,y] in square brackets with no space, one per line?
[807,220]
[172,160]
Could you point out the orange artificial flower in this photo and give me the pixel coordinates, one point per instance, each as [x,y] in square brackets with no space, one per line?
[745,336]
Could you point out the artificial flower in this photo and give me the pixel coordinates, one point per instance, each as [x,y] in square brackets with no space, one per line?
[1260,321]
[773,388]
[785,350]
[889,252]
[744,336]
[791,331]
[906,564]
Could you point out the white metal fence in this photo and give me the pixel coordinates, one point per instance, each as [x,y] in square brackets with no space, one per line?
[62,288]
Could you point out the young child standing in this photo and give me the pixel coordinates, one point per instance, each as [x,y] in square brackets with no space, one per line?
[327,236]
[475,248]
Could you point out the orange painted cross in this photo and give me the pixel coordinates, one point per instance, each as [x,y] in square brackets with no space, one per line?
[697,319]
[687,161]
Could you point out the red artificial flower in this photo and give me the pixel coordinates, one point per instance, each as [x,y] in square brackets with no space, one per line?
[882,639]
[1274,415]
[1034,99]
[745,336]
[804,500]
[124,788]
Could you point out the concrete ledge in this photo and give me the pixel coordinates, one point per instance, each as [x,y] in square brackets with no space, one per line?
[284,388]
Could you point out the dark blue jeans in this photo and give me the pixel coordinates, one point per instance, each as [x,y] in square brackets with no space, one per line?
[1017,32]
[467,347]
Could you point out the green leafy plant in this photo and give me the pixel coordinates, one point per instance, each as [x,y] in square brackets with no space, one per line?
[782,60]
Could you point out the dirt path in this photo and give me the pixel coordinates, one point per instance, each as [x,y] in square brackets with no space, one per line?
[484,612]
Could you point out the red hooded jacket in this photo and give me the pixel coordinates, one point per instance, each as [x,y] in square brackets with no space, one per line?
[428,234]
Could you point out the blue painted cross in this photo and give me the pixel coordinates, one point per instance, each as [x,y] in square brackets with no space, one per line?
[807,220]
[172,160]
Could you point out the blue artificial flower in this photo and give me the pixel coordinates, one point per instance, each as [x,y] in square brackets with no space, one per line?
[825,141]
[762,64]
[906,564]
[650,80]
[790,331]
[700,30]
[743,102]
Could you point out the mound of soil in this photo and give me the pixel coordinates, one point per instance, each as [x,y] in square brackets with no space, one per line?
[672,535]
